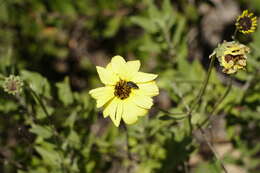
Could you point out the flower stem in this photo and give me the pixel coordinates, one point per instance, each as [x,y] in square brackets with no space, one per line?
[204,86]
[201,93]
[40,102]
[212,113]
[129,156]
[127,142]
[234,35]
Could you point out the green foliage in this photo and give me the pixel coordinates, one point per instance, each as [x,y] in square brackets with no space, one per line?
[64,92]
[53,125]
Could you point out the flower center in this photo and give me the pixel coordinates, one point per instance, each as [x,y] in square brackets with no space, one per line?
[228,58]
[233,58]
[12,85]
[245,23]
[122,90]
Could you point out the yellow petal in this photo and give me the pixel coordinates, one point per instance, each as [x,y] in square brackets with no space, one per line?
[109,107]
[242,62]
[229,71]
[118,65]
[238,66]
[132,68]
[125,70]
[109,67]
[118,115]
[107,76]
[114,109]
[141,111]
[148,89]
[129,115]
[132,111]
[226,64]
[141,77]
[143,101]
[102,95]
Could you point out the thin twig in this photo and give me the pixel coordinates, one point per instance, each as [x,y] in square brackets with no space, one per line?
[211,147]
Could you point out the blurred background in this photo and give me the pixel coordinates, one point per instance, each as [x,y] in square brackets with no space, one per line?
[55,45]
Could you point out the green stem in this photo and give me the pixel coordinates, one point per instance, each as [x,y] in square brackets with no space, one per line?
[171,113]
[40,102]
[127,141]
[212,113]
[234,35]
[201,93]
[204,86]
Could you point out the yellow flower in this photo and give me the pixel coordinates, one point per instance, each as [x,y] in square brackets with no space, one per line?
[127,93]
[246,22]
[232,56]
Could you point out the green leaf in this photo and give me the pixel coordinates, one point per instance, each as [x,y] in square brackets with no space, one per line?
[153,10]
[7,106]
[37,82]
[50,156]
[167,7]
[63,6]
[113,26]
[168,12]
[71,120]
[179,30]
[74,139]
[42,131]
[145,23]
[64,92]
[196,71]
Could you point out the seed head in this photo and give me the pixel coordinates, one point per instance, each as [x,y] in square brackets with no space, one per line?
[13,85]
[231,56]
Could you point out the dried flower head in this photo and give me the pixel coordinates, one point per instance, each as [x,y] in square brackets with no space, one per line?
[13,85]
[246,22]
[127,92]
[231,56]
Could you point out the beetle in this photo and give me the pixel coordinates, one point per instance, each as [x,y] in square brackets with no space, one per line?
[132,85]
